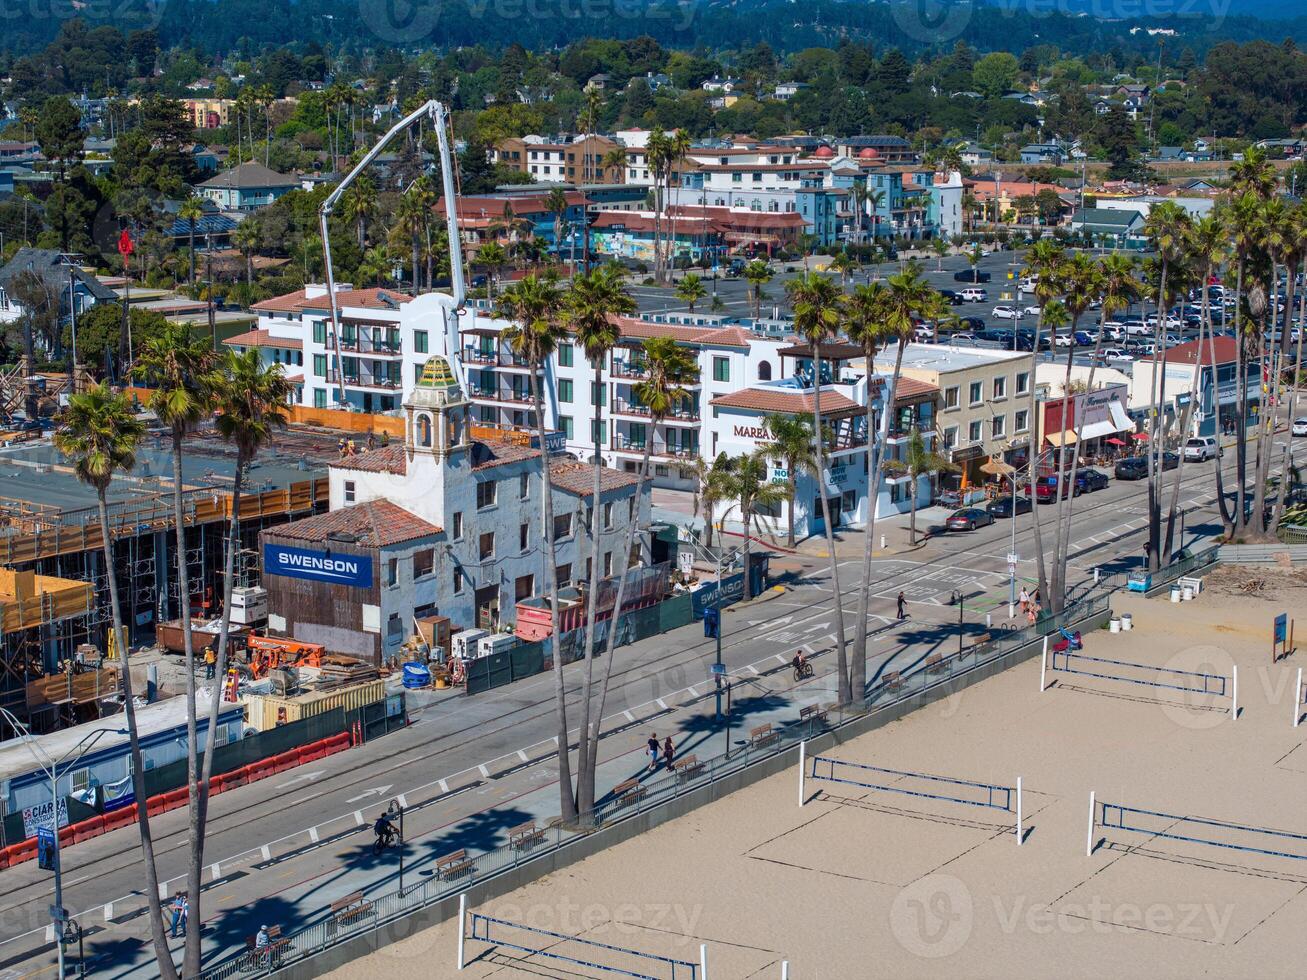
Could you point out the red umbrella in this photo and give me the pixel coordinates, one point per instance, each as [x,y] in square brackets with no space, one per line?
[1115,442]
[1140,435]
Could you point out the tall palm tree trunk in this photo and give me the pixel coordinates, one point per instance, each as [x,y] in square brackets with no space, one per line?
[586,750]
[566,795]
[1287,461]
[845,689]
[1032,462]
[163,957]
[1157,393]
[1240,408]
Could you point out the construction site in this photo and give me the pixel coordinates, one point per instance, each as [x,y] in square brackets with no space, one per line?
[54,599]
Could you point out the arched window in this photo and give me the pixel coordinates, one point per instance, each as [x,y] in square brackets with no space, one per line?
[764,371]
[424,430]
[756,205]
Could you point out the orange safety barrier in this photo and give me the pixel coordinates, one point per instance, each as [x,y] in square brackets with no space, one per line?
[4,859]
[312,753]
[260,770]
[119,818]
[287,760]
[67,835]
[18,853]
[86,829]
[237,777]
[176,798]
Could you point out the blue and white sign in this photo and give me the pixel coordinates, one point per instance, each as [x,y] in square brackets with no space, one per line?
[318,566]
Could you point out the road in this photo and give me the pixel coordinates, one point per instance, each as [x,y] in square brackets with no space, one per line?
[483,764]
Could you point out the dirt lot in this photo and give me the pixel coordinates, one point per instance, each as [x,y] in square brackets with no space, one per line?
[864,882]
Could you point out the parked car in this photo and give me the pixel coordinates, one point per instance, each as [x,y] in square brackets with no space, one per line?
[1083,338]
[1170,461]
[1004,506]
[972,322]
[1200,449]
[1131,468]
[968,519]
[1089,480]
[1065,340]
[1300,427]
[1046,489]
[1032,311]
[1116,354]
[971,275]
[954,299]
[974,294]
[1007,313]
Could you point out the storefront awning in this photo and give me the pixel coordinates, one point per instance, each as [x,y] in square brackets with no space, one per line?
[1067,438]
[1120,419]
[1096,430]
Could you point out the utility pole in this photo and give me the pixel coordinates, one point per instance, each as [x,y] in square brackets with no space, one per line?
[208,275]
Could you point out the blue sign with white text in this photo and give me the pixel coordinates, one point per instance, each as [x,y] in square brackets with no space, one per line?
[318,566]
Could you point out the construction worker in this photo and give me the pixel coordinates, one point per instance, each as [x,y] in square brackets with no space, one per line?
[210,662]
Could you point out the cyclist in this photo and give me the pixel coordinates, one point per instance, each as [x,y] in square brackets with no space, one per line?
[800,664]
[385,831]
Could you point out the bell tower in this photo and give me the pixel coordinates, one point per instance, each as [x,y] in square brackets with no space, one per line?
[436,414]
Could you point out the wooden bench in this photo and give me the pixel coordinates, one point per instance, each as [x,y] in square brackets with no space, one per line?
[763,736]
[350,907]
[688,768]
[891,681]
[525,836]
[934,663]
[263,957]
[812,713]
[454,864]
[628,792]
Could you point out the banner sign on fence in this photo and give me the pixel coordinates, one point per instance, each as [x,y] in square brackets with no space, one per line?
[318,566]
[38,816]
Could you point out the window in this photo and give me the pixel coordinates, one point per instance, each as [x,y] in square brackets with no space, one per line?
[562,526]
[976,392]
[608,564]
[566,355]
[423,562]
[486,494]
[563,574]
[349,491]
[598,431]
[319,397]
[1020,420]
[524,587]
[565,424]
[420,341]
[524,486]
[486,546]
[951,397]
[564,389]
[764,371]
[523,537]
[458,580]
[608,516]
[1023,383]
[392,571]
[998,426]
[458,525]
[721,369]
[1000,388]
[320,332]
[973,432]
[950,437]
[394,627]
[319,365]
[598,394]
[81,780]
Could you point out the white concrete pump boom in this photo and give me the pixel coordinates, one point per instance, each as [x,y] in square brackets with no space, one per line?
[452,303]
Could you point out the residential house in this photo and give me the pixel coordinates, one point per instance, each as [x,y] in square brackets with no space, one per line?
[247,187]
[1042,153]
[1118,227]
[65,284]
[579,160]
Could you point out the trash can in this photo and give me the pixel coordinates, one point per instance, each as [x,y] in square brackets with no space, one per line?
[1127,623]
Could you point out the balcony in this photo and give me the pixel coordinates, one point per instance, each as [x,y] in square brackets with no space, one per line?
[363,381]
[630,368]
[624,444]
[475,355]
[512,362]
[684,416]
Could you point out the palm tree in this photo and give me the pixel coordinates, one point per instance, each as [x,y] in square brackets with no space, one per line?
[246,238]
[1297,232]
[658,158]
[791,442]
[691,290]
[251,398]
[535,306]
[816,307]
[917,462]
[845,264]
[191,211]
[750,490]
[942,249]
[710,490]
[360,206]
[757,274]
[1253,174]
[178,367]
[411,219]
[556,204]
[589,307]
[973,257]
[614,159]
[494,258]
[670,368]
[100,435]
[678,149]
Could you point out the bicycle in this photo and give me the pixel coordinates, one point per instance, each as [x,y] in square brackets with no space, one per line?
[383,841]
[803,671]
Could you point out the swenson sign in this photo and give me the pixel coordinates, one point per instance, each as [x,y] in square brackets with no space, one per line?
[318,566]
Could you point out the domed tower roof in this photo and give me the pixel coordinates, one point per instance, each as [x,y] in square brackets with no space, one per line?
[824,153]
[437,385]
[868,153]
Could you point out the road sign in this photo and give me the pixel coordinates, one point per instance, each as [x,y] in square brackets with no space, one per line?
[57,913]
[1281,627]
[1013,559]
[717,670]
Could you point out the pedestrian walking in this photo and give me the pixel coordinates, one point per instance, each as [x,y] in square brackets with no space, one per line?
[210,663]
[903,606]
[186,912]
[1024,598]
[654,750]
[669,751]
[176,907]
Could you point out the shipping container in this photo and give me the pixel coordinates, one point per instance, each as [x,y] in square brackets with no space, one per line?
[265,711]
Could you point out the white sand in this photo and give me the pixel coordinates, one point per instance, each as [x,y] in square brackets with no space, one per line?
[864,883]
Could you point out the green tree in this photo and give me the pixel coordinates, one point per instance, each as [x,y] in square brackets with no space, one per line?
[757,274]
[749,489]
[917,462]
[100,435]
[59,133]
[691,290]
[791,442]
[996,73]
[191,211]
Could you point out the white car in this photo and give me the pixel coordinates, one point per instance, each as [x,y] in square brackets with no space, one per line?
[1300,427]
[1007,313]
[1065,340]
[1032,311]
[1028,283]
[974,295]
[1200,449]
[1114,330]
[1116,354]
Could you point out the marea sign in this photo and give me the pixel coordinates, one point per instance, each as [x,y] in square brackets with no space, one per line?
[318,566]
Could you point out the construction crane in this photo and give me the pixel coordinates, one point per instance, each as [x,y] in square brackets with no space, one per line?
[451,303]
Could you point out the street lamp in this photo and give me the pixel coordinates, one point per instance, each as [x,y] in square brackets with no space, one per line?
[395,810]
[51,768]
[722,562]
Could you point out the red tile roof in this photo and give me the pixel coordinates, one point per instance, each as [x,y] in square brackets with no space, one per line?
[785,402]
[1186,353]
[263,338]
[910,389]
[383,459]
[373,298]
[375,524]
[487,455]
[699,336]
[578,478]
